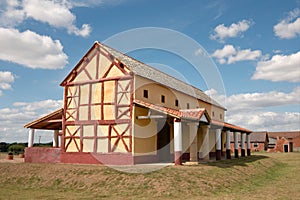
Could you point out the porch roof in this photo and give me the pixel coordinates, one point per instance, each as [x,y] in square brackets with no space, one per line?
[199,114]
[52,121]
[230,127]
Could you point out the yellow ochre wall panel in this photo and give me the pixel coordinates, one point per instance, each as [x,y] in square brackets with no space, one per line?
[144,134]
[156,90]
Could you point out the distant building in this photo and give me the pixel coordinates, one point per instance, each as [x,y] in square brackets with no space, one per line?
[284,141]
[118,110]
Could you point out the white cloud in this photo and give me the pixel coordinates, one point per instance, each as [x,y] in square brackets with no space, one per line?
[279,68]
[229,54]
[266,121]
[38,105]
[31,50]
[252,110]
[14,118]
[221,32]
[252,101]
[6,79]
[56,13]
[290,26]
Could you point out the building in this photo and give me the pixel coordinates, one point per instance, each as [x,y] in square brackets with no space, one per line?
[259,141]
[118,110]
[284,141]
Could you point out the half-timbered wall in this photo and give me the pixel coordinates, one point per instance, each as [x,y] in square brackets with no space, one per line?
[98,105]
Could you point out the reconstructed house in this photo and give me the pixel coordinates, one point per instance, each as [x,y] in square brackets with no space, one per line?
[284,141]
[118,110]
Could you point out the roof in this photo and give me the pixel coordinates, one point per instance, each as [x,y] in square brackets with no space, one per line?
[259,136]
[188,114]
[52,121]
[287,135]
[141,69]
[230,127]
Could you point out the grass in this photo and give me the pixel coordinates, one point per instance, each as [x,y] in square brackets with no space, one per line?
[267,176]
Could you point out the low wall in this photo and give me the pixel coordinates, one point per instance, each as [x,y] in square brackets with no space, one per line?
[97,158]
[42,155]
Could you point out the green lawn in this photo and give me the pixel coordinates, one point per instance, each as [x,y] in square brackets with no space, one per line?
[265,176]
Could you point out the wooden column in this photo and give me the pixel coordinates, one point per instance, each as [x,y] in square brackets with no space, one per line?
[177,142]
[218,144]
[248,145]
[243,153]
[30,137]
[55,138]
[193,129]
[236,144]
[228,149]
[204,151]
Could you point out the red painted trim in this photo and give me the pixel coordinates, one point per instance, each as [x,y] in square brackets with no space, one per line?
[218,154]
[145,159]
[177,158]
[97,158]
[100,122]
[243,153]
[97,63]
[236,153]
[228,154]
[248,152]
[126,77]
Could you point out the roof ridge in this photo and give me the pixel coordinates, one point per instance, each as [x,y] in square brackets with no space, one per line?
[201,94]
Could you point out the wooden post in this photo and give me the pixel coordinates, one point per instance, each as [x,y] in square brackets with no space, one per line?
[204,151]
[177,142]
[236,145]
[55,138]
[193,127]
[248,145]
[228,149]
[243,145]
[30,137]
[218,144]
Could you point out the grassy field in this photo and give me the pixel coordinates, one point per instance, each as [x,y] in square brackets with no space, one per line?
[261,176]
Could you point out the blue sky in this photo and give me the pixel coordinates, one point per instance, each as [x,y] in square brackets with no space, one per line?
[254,44]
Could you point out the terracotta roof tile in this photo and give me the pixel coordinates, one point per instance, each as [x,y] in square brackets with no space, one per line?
[189,114]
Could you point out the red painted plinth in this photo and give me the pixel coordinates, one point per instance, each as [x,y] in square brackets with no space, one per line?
[177,158]
[248,152]
[236,153]
[243,152]
[218,154]
[228,154]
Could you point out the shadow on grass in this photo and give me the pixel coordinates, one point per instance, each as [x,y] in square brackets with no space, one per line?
[241,161]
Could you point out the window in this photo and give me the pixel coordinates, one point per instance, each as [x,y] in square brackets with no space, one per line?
[162,98]
[176,103]
[146,93]
[255,145]
[213,113]
[188,106]
[221,116]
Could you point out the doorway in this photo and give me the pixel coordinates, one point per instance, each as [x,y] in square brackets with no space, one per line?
[286,148]
[163,141]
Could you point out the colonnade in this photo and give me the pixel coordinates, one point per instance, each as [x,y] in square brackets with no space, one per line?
[205,148]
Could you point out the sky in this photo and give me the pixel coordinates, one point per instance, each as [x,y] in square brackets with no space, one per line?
[255,46]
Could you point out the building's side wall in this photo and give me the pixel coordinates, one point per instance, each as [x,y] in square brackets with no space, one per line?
[155,92]
[97,106]
[296,143]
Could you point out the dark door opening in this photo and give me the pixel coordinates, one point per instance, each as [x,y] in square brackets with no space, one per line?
[286,148]
[163,141]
